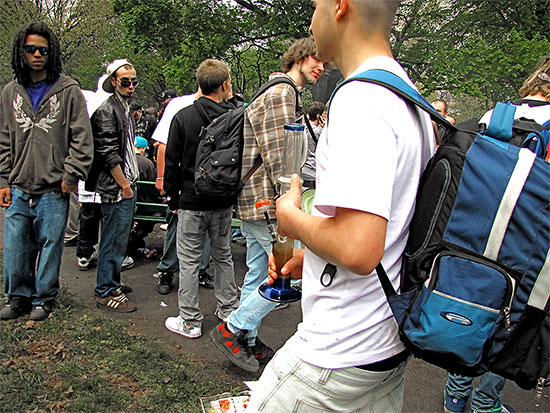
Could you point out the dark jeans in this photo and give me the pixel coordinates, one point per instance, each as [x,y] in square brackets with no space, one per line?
[90,219]
[115,230]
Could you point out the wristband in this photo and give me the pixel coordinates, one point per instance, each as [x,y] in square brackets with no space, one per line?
[160,179]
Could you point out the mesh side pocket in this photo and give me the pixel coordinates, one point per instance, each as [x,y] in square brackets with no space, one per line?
[452,326]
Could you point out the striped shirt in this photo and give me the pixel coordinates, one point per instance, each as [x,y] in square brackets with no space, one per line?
[264,134]
[130,166]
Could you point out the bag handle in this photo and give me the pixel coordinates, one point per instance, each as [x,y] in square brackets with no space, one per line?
[502,120]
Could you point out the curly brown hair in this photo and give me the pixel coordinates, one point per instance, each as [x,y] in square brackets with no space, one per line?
[539,80]
[299,50]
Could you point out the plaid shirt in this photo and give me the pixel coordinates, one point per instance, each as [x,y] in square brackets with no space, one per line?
[264,134]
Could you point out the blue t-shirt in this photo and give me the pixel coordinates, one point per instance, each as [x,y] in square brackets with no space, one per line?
[37,91]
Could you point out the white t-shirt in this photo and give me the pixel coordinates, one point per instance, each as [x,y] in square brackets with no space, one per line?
[369,157]
[539,113]
[174,106]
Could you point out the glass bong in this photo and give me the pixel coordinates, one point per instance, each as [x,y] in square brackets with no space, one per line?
[294,156]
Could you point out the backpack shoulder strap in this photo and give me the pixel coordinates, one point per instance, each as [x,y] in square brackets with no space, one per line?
[273,82]
[400,88]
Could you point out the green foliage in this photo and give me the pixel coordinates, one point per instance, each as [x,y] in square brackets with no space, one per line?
[478,49]
[472,49]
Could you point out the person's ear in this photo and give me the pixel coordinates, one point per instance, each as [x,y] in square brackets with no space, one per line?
[342,9]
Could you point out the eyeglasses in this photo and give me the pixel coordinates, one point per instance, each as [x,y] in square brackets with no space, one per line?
[125,82]
[31,49]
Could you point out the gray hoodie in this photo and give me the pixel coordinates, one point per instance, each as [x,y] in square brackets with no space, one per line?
[39,150]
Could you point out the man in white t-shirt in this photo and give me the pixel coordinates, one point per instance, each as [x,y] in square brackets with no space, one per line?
[346,354]
[168,264]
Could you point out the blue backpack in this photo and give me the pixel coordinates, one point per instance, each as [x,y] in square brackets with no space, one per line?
[475,281]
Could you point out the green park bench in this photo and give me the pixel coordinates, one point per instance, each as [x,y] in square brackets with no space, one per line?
[156,211]
[149,211]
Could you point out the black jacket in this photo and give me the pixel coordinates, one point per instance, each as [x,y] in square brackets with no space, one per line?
[111,132]
[181,151]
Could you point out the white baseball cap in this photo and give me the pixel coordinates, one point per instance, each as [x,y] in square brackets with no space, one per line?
[111,69]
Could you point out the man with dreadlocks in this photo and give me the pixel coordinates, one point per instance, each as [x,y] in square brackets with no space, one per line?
[45,148]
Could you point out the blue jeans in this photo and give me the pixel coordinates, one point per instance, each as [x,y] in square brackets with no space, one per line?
[116,223]
[206,251]
[289,384]
[253,307]
[192,226]
[169,260]
[34,228]
[485,397]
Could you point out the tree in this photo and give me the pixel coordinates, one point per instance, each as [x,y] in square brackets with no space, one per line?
[481,48]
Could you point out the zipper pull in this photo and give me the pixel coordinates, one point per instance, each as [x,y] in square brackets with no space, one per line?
[507,319]
[539,389]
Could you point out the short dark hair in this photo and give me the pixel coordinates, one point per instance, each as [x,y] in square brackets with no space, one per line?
[298,51]
[20,69]
[211,74]
[316,109]
[445,106]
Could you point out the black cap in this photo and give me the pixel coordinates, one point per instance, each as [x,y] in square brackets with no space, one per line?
[170,93]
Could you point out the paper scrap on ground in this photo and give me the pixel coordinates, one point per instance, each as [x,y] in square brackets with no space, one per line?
[225,403]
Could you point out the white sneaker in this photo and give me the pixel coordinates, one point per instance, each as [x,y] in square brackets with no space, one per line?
[164,227]
[127,263]
[179,326]
[84,264]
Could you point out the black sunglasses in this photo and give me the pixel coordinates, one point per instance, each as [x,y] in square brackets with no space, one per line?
[125,82]
[31,49]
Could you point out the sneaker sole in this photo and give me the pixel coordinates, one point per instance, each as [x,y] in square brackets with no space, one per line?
[116,310]
[40,318]
[164,292]
[181,333]
[230,355]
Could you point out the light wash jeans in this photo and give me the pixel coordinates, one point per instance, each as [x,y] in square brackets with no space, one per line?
[253,307]
[485,397]
[34,228]
[289,384]
[116,223]
[169,260]
[192,226]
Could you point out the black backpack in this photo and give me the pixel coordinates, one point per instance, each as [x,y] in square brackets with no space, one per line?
[475,281]
[219,155]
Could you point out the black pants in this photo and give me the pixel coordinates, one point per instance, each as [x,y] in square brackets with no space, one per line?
[90,219]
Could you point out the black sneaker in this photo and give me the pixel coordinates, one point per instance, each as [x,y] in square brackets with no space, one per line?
[40,312]
[15,307]
[262,352]
[206,280]
[165,283]
[235,347]
[125,288]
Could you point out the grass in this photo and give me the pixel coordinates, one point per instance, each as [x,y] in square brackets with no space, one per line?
[75,362]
